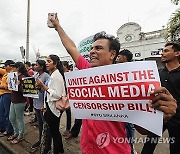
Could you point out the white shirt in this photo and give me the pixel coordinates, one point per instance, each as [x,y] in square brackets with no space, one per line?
[56,91]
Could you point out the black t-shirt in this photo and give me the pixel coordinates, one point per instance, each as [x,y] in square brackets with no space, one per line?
[171,80]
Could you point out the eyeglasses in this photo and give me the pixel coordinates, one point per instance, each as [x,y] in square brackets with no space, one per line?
[103,34]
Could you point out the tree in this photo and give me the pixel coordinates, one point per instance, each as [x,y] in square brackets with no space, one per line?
[176,2]
[173,26]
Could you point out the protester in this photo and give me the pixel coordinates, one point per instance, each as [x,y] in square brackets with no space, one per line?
[68,111]
[71,67]
[34,120]
[29,68]
[170,78]
[75,130]
[5,100]
[126,56]
[104,51]
[16,115]
[29,109]
[40,68]
[55,90]
[32,66]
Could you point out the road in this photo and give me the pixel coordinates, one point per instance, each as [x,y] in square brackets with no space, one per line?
[71,146]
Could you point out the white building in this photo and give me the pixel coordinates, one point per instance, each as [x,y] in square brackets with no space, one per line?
[142,45]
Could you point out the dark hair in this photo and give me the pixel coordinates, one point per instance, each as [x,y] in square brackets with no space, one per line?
[114,42]
[128,54]
[42,63]
[59,66]
[66,64]
[33,64]
[9,62]
[175,46]
[22,68]
[28,63]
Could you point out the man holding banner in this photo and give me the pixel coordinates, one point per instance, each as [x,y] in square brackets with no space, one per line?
[104,52]
[170,79]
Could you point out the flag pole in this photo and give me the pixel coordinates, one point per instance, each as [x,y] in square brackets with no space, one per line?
[27,35]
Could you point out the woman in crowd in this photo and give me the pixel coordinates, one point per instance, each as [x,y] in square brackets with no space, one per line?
[74,132]
[68,112]
[55,90]
[40,68]
[18,103]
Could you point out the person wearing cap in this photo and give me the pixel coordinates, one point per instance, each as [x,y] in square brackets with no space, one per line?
[5,100]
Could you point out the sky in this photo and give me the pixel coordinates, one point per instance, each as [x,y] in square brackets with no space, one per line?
[79,18]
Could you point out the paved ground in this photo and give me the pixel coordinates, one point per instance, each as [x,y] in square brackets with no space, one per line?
[71,146]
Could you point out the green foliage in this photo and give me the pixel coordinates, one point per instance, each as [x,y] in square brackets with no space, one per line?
[176,2]
[1,61]
[173,27]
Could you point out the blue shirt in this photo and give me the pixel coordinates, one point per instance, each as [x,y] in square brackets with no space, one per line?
[38,102]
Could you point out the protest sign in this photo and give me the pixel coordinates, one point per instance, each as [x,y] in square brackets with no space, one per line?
[118,92]
[84,46]
[29,88]
[13,81]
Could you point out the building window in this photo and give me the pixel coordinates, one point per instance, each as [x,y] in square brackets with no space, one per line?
[137,54]
[156,52]
[128,38]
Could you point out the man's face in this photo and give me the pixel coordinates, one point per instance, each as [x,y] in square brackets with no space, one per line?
[14,69]
[8,68]
[121,59]
[100,54]
[168,54]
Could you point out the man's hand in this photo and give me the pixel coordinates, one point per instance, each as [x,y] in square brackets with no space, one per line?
[164,102]
[65,39]
[55,21]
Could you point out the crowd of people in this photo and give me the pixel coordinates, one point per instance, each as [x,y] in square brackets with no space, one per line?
[14,106]
[50,82]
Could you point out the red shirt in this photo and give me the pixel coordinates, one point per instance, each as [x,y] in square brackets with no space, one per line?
[31,72]
[102,137]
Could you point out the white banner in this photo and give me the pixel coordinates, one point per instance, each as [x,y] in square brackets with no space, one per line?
[13,81]
[118,92]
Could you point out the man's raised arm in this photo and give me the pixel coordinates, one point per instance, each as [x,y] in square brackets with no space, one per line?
[66,41]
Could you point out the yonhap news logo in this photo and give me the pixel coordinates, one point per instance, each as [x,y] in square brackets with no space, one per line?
[103,140]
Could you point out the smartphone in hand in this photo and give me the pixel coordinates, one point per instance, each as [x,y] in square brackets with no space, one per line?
[49,23]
